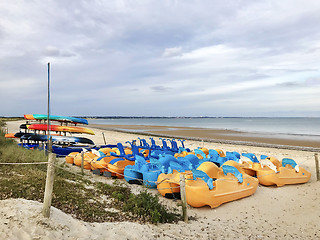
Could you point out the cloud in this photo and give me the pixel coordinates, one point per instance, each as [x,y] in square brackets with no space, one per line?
[52,51]
[289,84]
[172,52]
[204,57]
[310,82]
[160,88]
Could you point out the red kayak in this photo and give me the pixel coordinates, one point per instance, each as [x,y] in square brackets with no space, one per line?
[57,128]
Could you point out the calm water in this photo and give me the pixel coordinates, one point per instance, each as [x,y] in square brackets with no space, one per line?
[286,126]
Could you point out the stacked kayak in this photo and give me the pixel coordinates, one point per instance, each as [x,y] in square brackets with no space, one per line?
[10,135]
[57,128]
[33,133]
[64,139]
[39,117]
[63,151]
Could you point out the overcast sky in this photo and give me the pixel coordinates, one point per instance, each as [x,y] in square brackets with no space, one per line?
[161,58]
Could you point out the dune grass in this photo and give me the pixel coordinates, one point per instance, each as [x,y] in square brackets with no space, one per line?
[84,199]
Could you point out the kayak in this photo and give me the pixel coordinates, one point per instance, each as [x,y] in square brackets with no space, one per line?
[57,128]
[56,118]
[10,135]
[64,139]
[62,151]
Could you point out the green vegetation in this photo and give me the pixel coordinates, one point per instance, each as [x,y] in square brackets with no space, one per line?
[84,199]
[144,206]
[6,119]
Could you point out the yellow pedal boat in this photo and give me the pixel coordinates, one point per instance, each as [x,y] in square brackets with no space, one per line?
[168,185]
[87,158]
[209,184]
[70,157]
[271,171]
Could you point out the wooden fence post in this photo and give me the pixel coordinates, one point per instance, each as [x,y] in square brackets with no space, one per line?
[41,146]
[82,160]
[317,166]
[104,139]
[49,185]
[183,197]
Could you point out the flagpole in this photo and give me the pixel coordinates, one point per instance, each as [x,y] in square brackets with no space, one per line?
[51,162]
[48,120]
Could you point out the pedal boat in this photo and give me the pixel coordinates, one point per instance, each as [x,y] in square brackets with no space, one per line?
[116,166]
[148,172]
[101,162]
[270,171]
[70,157]
[87,158]
[122,158]
[214,186]
[168,185]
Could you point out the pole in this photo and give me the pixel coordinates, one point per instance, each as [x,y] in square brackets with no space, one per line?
[183,197]
[82,160]
[49,144]
[104,139]
[49,186]
[317,166]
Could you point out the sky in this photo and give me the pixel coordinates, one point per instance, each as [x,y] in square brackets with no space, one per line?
[160,58]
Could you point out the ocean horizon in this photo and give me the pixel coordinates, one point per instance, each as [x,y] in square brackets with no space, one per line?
[303,126]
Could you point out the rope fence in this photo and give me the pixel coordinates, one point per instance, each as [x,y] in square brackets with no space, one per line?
[139,179]
[75,173]
[30,163]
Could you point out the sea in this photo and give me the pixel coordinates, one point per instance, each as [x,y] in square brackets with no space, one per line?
[285,127]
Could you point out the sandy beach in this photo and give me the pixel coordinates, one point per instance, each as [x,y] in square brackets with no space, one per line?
[288,212]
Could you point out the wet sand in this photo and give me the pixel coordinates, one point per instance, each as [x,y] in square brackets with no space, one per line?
[220,136]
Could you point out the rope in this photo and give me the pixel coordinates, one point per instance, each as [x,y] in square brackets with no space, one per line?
[304,161]
[24,163]
[169,187]
[163,180]
[80,175]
